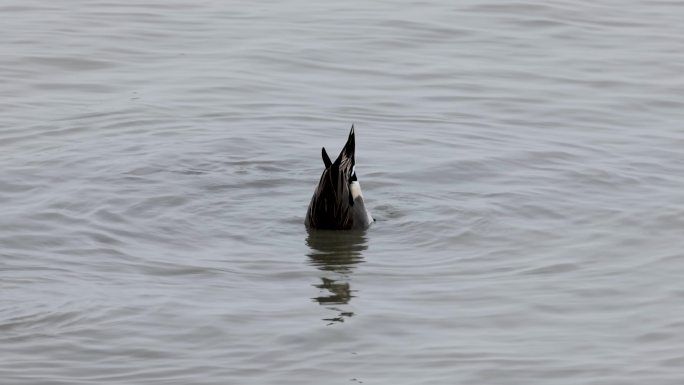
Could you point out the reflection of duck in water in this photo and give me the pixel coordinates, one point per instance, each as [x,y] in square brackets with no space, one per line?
[337,203]
[335,253]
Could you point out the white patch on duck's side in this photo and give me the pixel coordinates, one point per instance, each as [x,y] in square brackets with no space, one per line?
[355,189]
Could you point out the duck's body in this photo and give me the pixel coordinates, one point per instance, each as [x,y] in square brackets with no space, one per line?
[337,203]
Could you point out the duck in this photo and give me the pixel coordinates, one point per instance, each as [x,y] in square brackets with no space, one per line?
[337,202]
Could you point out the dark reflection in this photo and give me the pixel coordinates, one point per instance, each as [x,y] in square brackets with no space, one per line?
[336,254]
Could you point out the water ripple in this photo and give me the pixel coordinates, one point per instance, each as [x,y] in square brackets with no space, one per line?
[522,158]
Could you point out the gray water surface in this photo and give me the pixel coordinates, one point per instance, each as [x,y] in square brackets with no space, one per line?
[524,161]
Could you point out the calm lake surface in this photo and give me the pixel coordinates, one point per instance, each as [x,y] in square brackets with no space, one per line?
[524,161]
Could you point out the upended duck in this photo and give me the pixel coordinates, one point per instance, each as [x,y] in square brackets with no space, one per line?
[337,202]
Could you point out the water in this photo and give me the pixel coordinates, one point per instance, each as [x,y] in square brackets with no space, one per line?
[523,160]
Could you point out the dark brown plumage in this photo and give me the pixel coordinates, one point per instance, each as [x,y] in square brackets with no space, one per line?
[337,203]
